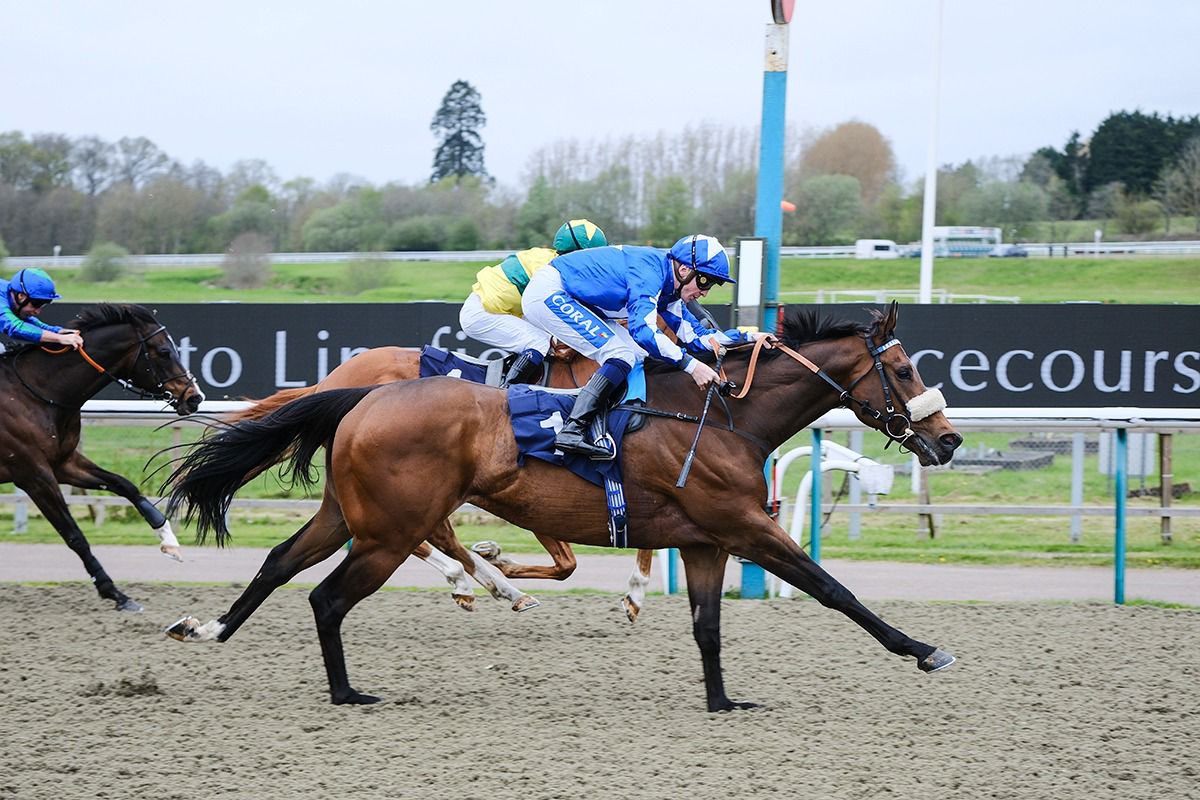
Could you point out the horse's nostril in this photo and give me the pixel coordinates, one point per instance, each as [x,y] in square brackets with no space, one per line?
[950,440]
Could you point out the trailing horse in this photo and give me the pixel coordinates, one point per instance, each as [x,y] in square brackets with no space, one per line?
[565,369]
[404,456]
[45,388]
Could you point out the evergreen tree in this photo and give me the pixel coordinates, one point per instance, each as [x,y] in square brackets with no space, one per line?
[457,123]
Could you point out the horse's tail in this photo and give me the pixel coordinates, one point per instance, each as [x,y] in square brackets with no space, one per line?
[267,405]
[204,483]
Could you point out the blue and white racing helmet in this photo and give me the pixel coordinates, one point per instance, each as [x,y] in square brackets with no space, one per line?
[704,254]
[35,283]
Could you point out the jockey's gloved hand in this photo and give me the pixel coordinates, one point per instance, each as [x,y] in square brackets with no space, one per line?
[771,339]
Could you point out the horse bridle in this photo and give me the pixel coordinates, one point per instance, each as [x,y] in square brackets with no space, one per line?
[127,385]
[893,424]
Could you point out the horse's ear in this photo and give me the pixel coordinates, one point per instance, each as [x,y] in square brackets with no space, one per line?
[887,325]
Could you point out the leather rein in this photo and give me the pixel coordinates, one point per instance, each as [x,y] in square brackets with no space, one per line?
[893,424]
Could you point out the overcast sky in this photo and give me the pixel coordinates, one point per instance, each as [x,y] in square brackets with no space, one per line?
[320,88]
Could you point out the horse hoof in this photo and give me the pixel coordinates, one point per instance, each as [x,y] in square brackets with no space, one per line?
[130,605]
[183,629]
[632,609]
[730,705]
[936,661]
[488,551]
[465,601]
[171,551]
[353,698]
[525,602]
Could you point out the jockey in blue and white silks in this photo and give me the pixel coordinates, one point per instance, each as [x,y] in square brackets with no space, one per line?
[25,295]
[576,295]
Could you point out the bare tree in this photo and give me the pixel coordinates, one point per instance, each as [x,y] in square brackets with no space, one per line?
[137,159]
[16,160]
[250,172]
[92,158]
[51,161]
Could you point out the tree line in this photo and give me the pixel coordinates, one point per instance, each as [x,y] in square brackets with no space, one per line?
[1139,170]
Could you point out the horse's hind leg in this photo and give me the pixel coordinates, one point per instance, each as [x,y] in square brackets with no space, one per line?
[320,538]
[362,572]
[80,471]
[46,495]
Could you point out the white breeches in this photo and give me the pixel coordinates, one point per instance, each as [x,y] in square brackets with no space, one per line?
[500,330]
[550,307]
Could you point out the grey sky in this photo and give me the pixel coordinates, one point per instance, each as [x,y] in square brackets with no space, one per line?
[318,88]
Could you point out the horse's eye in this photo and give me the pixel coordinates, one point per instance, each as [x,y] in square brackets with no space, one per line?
[164,352]
[904,374]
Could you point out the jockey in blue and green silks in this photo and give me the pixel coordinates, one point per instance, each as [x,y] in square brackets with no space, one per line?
[26,294]
[492,312]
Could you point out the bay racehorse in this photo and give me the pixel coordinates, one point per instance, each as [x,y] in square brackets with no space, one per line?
[565,369]
[44,389]
[400,458]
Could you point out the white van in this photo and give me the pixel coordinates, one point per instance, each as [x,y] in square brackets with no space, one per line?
[876,248]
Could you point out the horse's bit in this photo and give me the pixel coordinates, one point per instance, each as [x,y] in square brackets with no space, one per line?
[895,425]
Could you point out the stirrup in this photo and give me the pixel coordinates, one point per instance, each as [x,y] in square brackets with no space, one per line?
[584,447]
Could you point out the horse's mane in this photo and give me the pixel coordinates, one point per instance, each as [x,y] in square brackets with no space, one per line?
[801,327]
[90,318]
[102,314]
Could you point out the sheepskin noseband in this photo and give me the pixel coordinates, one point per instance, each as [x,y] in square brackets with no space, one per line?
[926,404]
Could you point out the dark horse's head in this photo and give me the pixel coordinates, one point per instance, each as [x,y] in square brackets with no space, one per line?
[130,344]
[886,391]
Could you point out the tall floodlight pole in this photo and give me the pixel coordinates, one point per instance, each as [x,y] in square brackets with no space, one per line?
[768,214]
[925,291]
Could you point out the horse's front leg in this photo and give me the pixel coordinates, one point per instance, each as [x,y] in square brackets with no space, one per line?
[80,471]
[320,538]
[705,567]
[43,490]
[760,540]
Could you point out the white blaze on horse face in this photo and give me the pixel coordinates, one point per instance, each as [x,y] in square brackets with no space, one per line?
[926,404]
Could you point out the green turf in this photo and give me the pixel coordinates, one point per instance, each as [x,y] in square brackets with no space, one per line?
[1129,280]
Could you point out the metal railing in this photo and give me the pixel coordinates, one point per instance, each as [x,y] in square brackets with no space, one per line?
[494,256]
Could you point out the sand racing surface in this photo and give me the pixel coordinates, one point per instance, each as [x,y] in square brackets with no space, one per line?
[571,701]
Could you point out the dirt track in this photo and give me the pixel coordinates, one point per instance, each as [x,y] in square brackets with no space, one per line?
[570,701]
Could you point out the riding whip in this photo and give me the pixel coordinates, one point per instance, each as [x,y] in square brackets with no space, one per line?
[687,462]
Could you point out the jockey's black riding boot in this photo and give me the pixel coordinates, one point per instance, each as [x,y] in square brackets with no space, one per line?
[526,368]
[595,397]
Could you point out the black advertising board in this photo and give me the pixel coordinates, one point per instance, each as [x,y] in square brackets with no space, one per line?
[1070,355]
